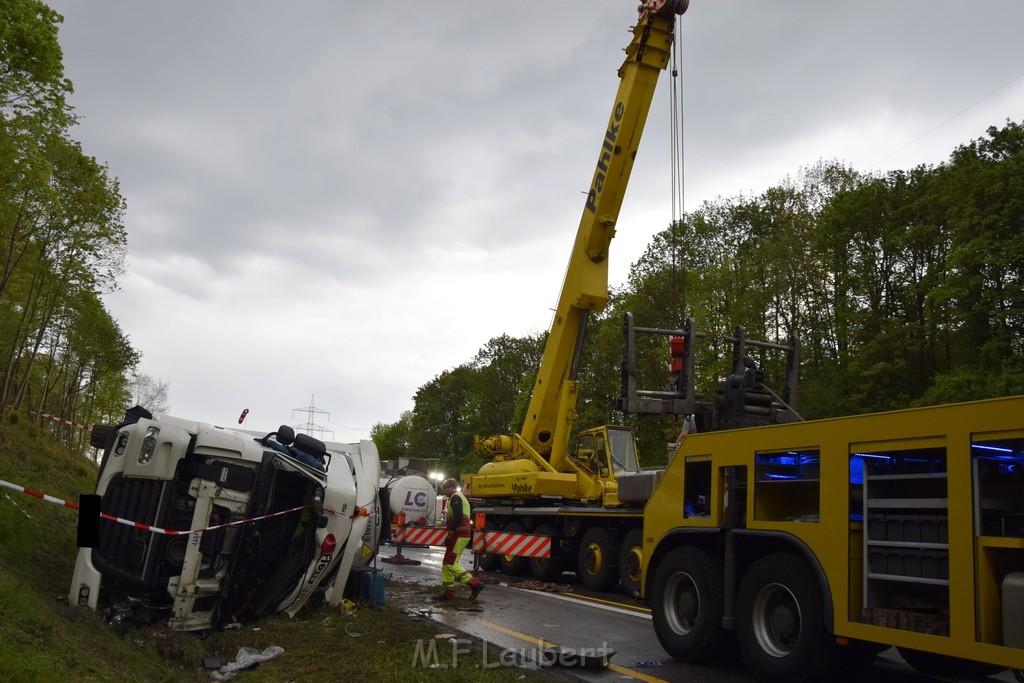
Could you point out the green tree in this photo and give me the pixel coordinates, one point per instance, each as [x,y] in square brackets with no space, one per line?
[905,288]
[62,239]
[439,428]
[503,372]
[983,289]
[392,440]
[149,392]
[31,62]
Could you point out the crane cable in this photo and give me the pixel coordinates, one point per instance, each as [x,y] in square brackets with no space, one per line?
[676,165]
[676,126]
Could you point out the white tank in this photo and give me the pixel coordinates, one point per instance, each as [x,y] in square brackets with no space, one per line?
[415,497]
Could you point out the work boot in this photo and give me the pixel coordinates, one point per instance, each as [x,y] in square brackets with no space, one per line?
[446,594]
[475,588]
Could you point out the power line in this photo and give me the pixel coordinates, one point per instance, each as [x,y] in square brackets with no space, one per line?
[963,111]
[311,427]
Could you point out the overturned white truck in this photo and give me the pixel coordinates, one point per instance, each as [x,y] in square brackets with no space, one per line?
[203,526]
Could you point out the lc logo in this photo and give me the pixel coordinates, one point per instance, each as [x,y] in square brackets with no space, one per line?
[419,499]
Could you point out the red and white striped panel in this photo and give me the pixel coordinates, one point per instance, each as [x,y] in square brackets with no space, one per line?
[421,535]
[520,545]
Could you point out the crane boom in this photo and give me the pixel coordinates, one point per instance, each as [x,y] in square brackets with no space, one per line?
[549,419]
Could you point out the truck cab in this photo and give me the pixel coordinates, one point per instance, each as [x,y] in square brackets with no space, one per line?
[201,525]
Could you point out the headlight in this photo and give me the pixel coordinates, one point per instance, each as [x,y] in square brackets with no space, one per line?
[148,445]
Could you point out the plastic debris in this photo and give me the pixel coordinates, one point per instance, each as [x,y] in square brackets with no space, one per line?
[246,657]
[647,664]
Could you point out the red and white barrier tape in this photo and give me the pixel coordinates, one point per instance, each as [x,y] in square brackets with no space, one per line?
[174,532]
[37,494]
[62,420]
[147,527]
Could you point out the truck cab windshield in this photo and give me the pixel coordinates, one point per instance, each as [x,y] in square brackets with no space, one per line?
[623,450]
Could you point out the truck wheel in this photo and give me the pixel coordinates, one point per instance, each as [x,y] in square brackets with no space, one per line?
[488,562]
[631,561]
[548,568]
[932,664]
[687,601]
[100,436]
[512,564]
[597,558]
[780,620]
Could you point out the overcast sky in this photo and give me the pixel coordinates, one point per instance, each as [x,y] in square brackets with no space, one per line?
[335,201]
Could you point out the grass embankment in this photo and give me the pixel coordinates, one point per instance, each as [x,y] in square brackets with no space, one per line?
[43,639]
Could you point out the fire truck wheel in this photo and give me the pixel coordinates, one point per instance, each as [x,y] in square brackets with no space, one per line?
[687,600]
[931,664]
[631,560]
[511,564]
[597,559]
[780,620]
[548,568]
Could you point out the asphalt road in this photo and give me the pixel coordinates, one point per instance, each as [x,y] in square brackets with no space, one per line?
[566,630]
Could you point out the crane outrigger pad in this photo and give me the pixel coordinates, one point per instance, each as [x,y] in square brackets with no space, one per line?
[577,658]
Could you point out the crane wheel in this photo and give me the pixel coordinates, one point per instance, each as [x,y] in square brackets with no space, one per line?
[514,565]
[548,568]
[631,561]
[488,562]
[598,557]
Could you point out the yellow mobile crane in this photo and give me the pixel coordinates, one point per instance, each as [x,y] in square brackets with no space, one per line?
[589,500]
[532,483]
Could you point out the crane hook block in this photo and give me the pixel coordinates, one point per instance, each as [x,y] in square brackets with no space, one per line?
[664,7]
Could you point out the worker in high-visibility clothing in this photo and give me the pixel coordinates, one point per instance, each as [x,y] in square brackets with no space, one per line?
[459,531]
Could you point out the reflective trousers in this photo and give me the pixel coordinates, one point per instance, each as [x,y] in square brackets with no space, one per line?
[451,570]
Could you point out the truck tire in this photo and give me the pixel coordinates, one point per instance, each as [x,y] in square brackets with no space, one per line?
[512,564]
[100,436]
[687,602]
[548,568]
[932,664]
[780,620]
[631,561]
[598,555]
[488,562]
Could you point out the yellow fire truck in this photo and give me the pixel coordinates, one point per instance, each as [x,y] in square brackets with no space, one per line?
[817,544]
